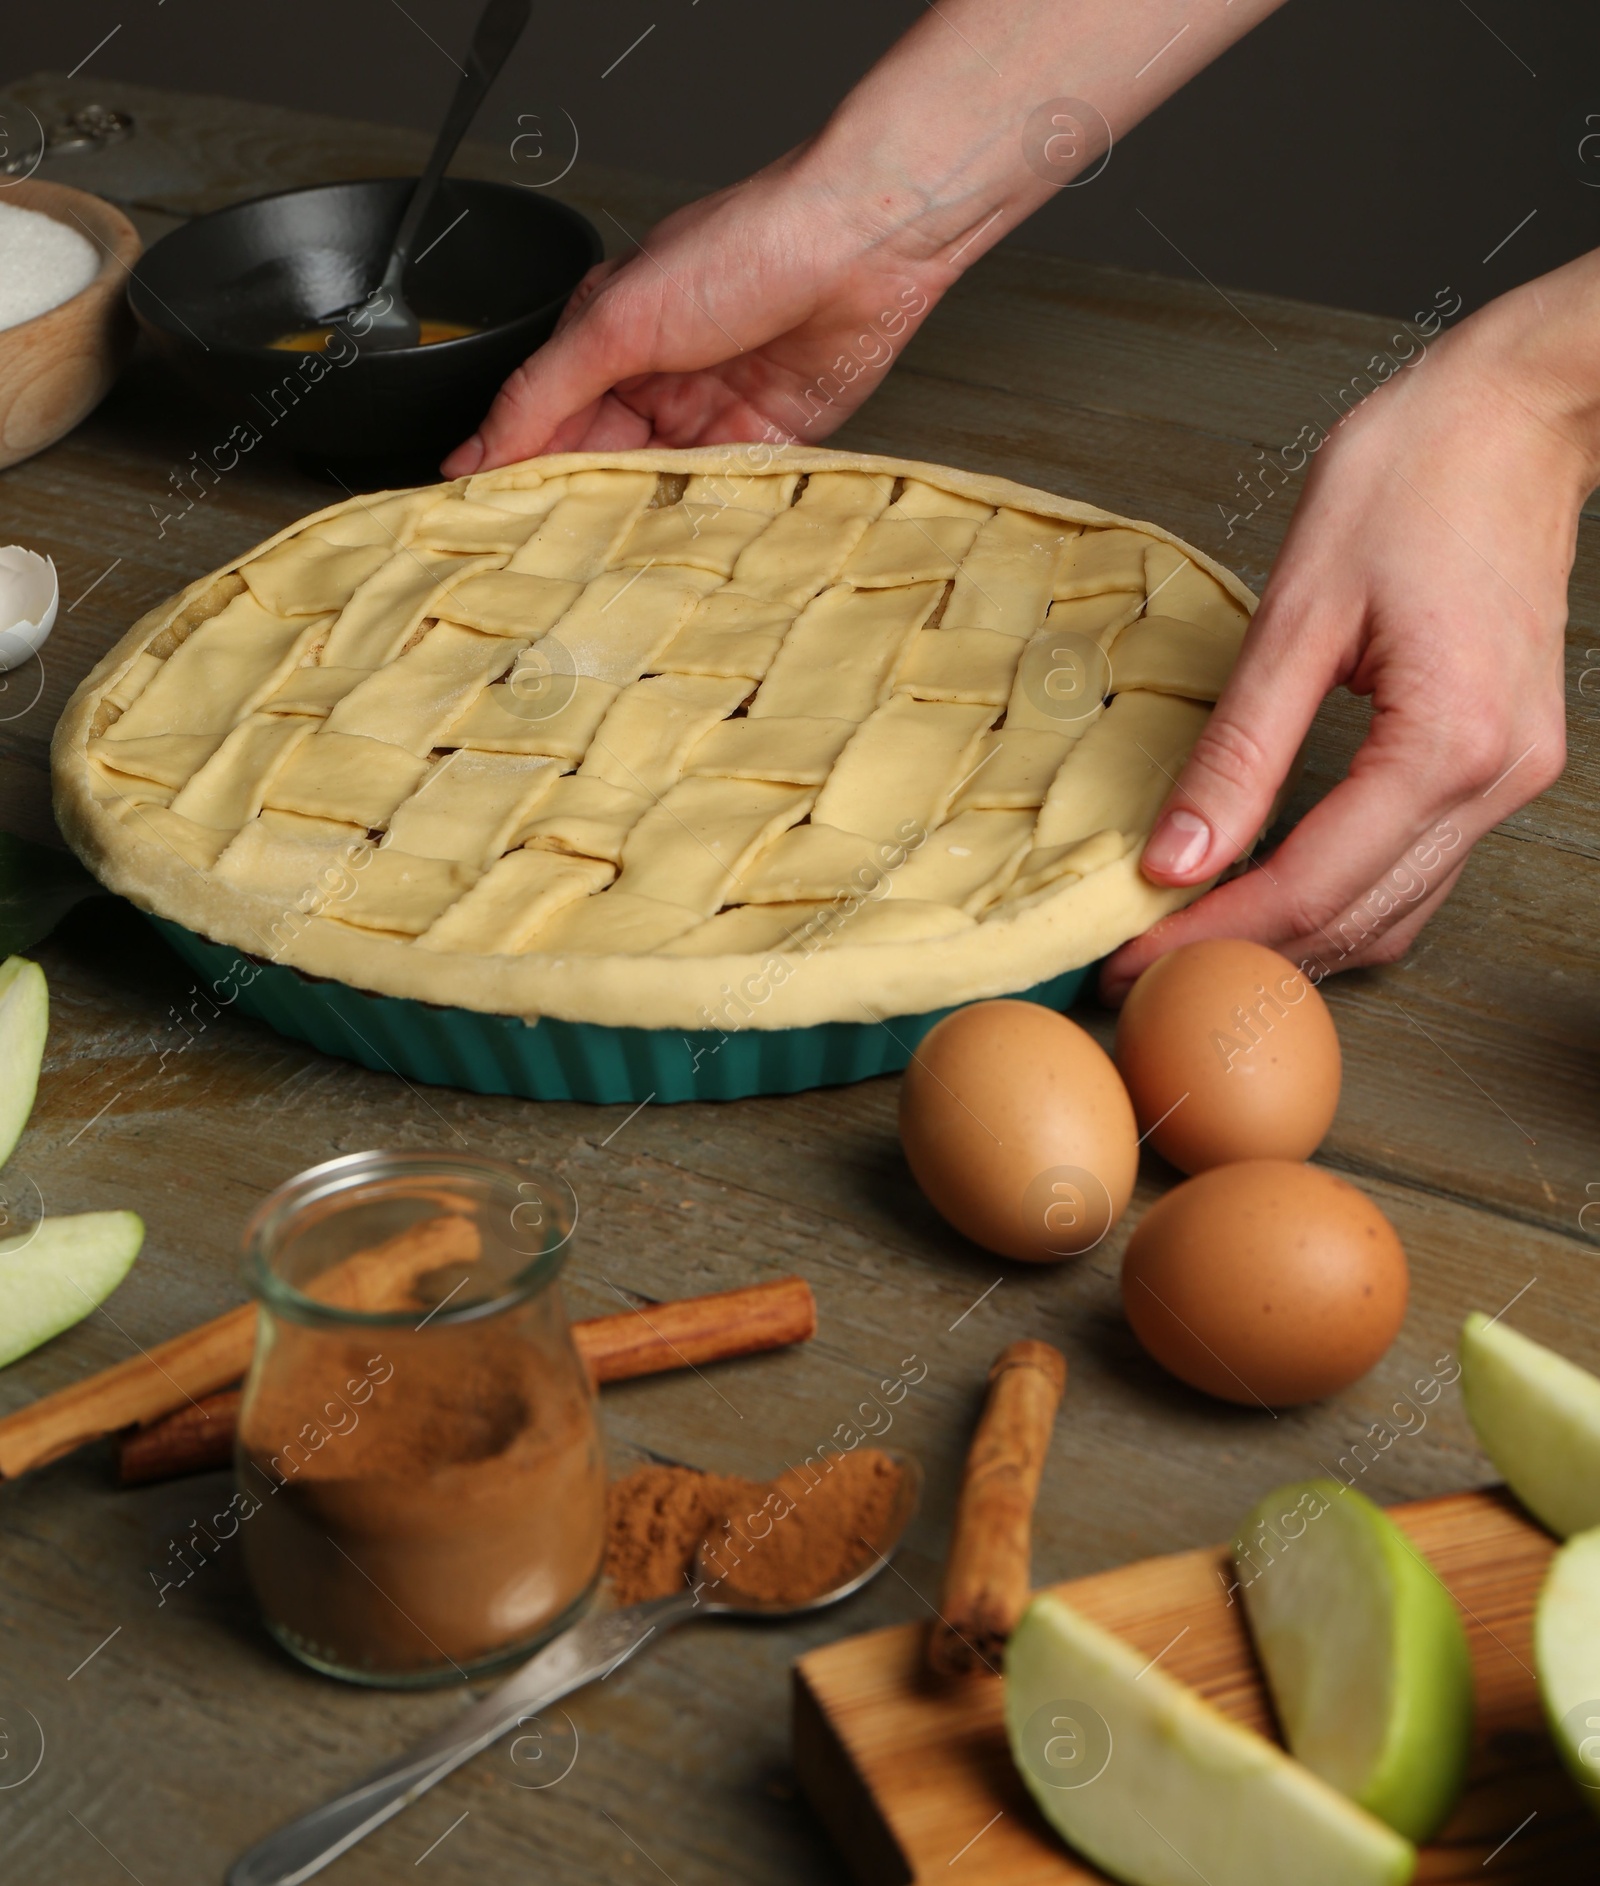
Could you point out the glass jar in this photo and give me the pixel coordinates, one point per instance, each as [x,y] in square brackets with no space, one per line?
[423,1489]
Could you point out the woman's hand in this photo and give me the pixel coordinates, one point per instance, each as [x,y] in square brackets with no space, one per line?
[768,311]
[1426,566]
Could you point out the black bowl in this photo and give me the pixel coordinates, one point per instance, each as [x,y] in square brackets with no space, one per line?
[493,256]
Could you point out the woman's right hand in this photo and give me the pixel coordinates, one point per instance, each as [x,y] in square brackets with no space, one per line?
[767,311]
[770,311]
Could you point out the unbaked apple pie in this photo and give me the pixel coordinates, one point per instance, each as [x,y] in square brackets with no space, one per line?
[608,736]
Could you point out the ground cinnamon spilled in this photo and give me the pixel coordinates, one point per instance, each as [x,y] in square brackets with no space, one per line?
[781,1541]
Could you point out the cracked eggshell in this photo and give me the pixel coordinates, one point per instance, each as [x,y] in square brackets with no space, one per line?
[29,597]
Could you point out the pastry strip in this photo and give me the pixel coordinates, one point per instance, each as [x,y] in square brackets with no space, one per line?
[692,847]
[651,728]
[554,714]
[386,520]
[973,665]
[170,759]
[797,751]
[901,769]
[1101,560]
[514,899]
[620,623]
[1012,770]
[908,549]
[1119,773]
[579,537]
[383,615]
[222,671]
[346,776]
[307,577]
[1175,587]
[728,635]
[197,845]
[229,788]
[467,529]
[747,491]
[1174,657]
[403,894]
[586,817]
[817,861]
[699,536]
[1004,583]
[422,693]
[837,660]
[613,923]
[504,602]
[920,499]
[967,862]
[471,805]
[797,556]
[313,691]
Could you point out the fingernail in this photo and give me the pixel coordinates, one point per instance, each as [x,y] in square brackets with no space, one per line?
[1178,845]
[465,459]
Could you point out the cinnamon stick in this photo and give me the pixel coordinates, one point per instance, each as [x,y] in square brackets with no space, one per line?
[143,1388]
[183,1425]
[692,1330]
[179,1372]
[986,1579]
[194,1440]
[647,1341]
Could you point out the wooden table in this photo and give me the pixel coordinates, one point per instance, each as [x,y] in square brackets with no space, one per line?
[175,1733]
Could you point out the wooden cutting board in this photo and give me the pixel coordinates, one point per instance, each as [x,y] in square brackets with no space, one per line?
[912,1777]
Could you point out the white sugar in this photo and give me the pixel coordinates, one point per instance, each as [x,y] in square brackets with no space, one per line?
[42,264]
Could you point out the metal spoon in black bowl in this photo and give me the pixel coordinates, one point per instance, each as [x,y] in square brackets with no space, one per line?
[383,318]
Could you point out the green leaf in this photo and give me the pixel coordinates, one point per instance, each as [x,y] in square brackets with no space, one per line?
[38,886]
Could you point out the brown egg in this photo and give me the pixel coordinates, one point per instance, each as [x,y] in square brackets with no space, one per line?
[1229,1052]
[1016,1126]
[1265,1282]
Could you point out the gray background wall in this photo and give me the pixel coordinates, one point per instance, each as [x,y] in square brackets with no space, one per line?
[1363,152]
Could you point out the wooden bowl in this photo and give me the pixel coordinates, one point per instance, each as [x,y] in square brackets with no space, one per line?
[56,368]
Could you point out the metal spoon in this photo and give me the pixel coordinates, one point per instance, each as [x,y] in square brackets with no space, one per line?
[383,318]
[590,1649]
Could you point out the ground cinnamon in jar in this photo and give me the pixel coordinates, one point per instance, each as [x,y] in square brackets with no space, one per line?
[782,1541]
[426,1495]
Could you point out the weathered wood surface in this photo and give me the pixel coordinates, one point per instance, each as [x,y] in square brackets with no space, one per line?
[1470,1112]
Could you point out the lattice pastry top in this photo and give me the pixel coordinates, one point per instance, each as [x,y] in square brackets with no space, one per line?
[663,739]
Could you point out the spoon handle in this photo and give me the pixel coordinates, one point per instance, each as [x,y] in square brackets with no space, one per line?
[498,30]
[591,1648]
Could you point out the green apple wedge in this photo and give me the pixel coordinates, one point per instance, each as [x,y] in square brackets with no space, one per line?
[1566,1655]
[52,1276]
[24,1020]
[1537,1416]
[1149,1782]
[1363,1649]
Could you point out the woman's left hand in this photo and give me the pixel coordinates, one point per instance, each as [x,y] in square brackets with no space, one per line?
[1426,566]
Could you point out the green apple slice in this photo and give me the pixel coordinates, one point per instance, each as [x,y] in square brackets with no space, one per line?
[1566,1654]
[53,1276]
[24,1020]
[1364,1652]
[1537,1416]
[1156,1787]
